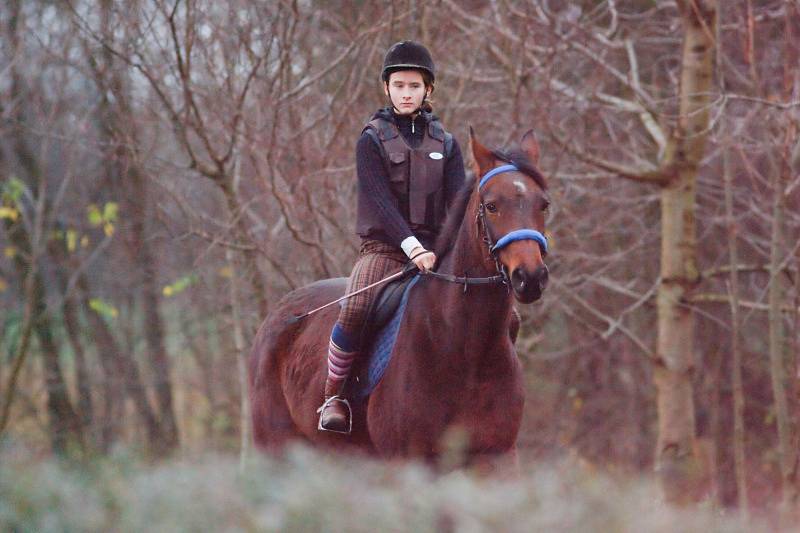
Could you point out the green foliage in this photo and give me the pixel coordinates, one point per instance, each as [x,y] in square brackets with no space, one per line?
[105,217]
[12,190]
[103,308]
[308,491]
[9,335]
[180,285]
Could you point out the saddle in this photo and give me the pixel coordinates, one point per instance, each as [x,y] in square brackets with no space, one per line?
[384,306]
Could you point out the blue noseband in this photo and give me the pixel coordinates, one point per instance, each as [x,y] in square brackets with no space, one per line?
[516,235]
[521,235]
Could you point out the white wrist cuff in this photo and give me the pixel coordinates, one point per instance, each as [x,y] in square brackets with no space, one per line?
[409,244]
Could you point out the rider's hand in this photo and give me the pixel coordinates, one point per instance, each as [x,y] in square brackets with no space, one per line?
[424,259]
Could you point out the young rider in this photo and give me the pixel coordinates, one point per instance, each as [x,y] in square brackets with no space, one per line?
[409,169]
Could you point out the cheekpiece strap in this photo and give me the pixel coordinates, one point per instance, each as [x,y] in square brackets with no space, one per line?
[521,235]
[494,172]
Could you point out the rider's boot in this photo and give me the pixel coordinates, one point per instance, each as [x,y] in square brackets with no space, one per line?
[334,413]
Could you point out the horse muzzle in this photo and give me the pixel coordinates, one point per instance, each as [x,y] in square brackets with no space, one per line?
[529,286]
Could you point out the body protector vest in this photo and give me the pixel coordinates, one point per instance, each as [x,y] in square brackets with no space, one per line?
[416,178]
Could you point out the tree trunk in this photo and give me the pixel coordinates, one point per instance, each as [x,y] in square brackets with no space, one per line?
[65,427]
[118,124]
[736,350]
[776,336]
[241,360]
[122,374]
[71,316]
[677,463]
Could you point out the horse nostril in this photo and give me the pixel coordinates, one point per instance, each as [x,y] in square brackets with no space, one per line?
[541,275]
[518,279]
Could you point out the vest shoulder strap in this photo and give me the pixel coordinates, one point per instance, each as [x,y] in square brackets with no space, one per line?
[384,129]
[437,131]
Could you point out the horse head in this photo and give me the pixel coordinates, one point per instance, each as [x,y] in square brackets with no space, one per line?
[512,201]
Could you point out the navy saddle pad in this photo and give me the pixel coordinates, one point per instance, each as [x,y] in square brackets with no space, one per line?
[385,325]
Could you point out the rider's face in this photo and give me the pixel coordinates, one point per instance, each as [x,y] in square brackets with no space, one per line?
[407,90]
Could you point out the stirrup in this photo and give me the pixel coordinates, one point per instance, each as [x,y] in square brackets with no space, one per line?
[327,403]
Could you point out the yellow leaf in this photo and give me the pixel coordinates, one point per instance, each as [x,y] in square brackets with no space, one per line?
[95,216]
[9,213]
[3,285]
[110,211]
[108,229]
[226,272]
[577,403]
[103,308]
[85,241]
[10,252]
[72,240]
[167,291]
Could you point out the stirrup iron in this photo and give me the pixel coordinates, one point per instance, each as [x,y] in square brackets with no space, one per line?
[326,404]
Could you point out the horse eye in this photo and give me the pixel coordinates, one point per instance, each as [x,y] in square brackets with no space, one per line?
[545,205]
[491,208]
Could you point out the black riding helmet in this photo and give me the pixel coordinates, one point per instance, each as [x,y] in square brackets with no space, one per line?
[407,55]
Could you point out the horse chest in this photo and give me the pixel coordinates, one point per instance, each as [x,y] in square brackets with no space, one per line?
[488,412]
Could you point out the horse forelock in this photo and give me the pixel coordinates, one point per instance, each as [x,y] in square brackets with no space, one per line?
[520,160]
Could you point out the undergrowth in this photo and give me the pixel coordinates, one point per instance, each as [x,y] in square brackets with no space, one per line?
[310,491]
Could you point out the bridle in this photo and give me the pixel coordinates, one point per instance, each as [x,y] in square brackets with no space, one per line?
[494,246]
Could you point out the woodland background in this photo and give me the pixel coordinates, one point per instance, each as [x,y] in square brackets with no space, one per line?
[171,169]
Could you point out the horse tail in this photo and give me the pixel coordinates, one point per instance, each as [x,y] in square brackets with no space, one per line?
[271,419]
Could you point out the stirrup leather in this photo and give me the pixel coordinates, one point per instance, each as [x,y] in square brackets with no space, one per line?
[328,403]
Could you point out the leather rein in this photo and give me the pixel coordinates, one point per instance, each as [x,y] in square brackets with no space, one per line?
[494,246]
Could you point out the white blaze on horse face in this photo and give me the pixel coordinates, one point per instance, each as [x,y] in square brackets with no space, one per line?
[520,186]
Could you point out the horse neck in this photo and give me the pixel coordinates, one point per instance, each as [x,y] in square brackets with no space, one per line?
[484,307]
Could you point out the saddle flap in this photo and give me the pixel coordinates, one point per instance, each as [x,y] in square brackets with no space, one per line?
[385,304]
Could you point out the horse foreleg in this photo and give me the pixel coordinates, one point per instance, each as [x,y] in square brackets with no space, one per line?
[505,464]
[513,326]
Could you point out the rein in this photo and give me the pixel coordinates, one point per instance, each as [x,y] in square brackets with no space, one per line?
[464,280]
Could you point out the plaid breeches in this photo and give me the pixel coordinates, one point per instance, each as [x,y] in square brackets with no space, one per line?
[375,261]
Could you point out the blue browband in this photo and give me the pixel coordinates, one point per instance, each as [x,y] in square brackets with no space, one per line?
[494,172]
[516,235]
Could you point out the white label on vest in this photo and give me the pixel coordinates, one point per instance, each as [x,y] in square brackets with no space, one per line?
[435,155]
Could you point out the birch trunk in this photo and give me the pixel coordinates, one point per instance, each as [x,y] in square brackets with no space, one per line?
[677,462]
[241,359]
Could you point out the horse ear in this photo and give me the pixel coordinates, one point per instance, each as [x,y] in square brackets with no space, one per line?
[482,158]
[530,146]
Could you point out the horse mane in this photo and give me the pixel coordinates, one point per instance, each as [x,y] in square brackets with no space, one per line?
[455,216]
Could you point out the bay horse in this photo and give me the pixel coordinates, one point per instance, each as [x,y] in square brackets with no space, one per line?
[454,370]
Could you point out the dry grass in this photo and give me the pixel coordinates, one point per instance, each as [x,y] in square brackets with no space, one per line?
[308,491]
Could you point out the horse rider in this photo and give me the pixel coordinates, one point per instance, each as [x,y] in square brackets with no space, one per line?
[409,170]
